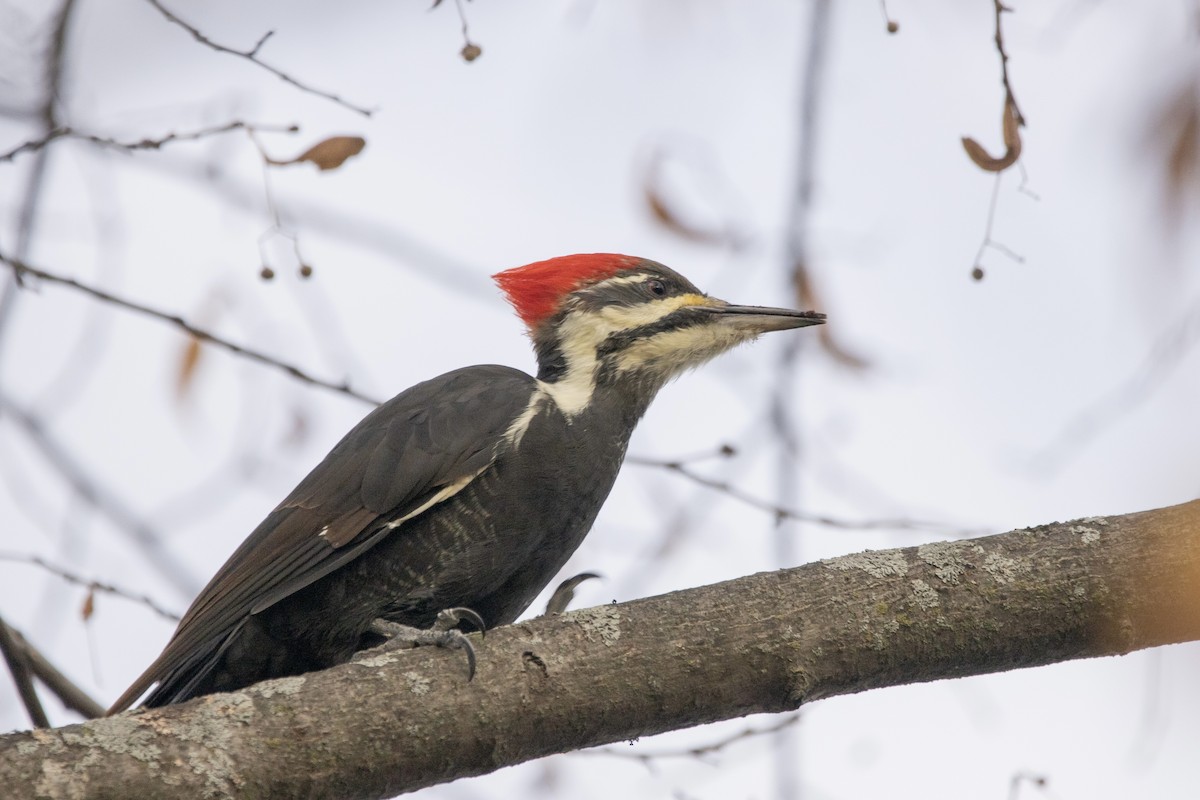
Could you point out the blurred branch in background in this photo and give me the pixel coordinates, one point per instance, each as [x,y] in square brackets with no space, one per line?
[90,584]
[125,520]
[406,250]
[21,268]
[782,513]
[251,55]
[785,410]
[48,116]
[700,752]
[1172,141]
[1026,778]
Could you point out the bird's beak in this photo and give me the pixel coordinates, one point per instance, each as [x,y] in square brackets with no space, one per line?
[760,319]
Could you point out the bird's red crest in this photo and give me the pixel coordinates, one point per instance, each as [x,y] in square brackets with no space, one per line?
[536,290]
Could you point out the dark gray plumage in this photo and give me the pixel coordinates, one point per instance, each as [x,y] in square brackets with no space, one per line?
[469,490]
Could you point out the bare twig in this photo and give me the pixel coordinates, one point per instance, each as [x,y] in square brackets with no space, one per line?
[470,51]
[87,583]
[1012,120]
[126,521]
[71,695]
[783,513]
[21,268]
[400,248]
[785,409]
[251,55]
[999,39]
[1019,778]
[749,732]
[890,24]
[277,227]
[977,270]
[35,145]
[27,218]
[18,666]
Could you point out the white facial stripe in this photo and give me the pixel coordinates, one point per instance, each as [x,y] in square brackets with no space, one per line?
[625,317]
[581,333]
[622,280]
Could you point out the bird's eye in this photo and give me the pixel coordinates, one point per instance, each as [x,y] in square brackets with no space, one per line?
[656,287]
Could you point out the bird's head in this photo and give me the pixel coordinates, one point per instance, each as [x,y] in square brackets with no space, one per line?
[602,320]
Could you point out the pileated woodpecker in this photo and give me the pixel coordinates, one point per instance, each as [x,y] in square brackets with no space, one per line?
[467,491]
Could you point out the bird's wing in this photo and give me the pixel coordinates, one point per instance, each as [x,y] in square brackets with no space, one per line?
[414,451]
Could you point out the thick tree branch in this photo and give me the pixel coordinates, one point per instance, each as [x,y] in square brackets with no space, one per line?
[401,720]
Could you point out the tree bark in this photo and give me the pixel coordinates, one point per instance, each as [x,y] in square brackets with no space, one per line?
[399,720]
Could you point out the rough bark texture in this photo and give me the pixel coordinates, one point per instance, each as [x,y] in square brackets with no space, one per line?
[402,720]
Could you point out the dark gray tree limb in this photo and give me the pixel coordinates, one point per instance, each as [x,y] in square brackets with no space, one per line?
[400,720]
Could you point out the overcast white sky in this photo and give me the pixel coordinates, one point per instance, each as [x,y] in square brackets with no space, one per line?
[541,147]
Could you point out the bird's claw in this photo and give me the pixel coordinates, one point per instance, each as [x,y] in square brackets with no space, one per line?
[565,592]
[448,619]
[444,633]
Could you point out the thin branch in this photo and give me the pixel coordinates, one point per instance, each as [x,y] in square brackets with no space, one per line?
[31,201]
[125,520]
[1013,120]
[87,583]
[749,732]
[251,55]
[1014,785]
[21,268]
[785,408]
[890,24]
[999,39]
[977,270]
[71,695]
[18,666]
[142,144]
[782,513]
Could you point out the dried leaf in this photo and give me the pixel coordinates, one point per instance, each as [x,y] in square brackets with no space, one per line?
[1173,143]
[669,217]
[327,154]
[89,604]
[1010,125]
[189,359]
[191,356]
[807,297]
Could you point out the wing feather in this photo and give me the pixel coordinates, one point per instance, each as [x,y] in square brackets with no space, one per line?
[411,453]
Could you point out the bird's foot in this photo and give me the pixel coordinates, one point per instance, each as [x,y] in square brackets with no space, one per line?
[565,592]
[444,633]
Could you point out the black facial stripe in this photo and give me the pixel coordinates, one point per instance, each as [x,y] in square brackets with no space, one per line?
[678,319]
